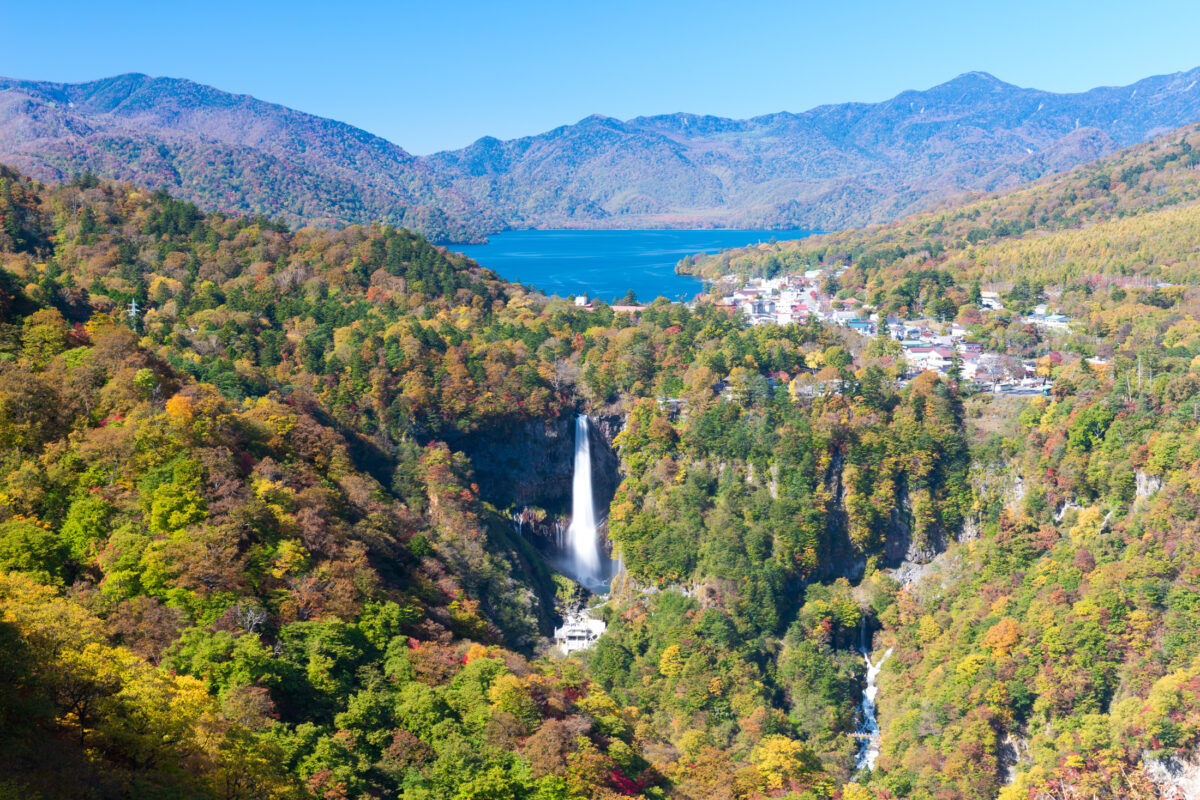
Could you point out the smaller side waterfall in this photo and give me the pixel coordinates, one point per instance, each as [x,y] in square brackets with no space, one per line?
[868,725]
[582,537]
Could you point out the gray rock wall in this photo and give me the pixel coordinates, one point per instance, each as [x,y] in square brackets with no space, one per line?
[531,464]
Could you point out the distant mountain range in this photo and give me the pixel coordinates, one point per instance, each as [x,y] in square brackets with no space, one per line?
[831,167]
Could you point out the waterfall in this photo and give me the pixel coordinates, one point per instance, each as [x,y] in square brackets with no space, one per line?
[582,538]
[868,725]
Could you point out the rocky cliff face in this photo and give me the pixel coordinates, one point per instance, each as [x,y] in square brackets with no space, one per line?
[900,547]
[528,469]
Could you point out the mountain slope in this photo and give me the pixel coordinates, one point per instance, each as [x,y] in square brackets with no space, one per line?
[1053,652]
[1130,213]
[227,152]
[831,167]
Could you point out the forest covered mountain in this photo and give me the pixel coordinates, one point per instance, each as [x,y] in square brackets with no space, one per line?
[1131,214]
[264,538]
[828,168]
[227,152]
[1087,492]
[833,167]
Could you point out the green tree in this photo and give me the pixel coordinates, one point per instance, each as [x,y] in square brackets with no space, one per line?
[30,548]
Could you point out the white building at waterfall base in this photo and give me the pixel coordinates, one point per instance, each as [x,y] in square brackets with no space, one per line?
[578,633]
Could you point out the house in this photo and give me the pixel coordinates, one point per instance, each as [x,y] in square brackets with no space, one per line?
[1052,321]
[971,364]
[937,359]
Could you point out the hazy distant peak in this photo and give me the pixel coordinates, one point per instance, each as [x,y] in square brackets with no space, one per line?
[974,82]
[599,119]
[230,152]
[832,166]
[682,122]
[978,76]
[1188,81]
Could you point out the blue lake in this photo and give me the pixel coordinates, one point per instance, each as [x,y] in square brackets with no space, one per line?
[606,264]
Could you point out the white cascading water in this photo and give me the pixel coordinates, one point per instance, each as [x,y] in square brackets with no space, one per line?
[868,725]
[582,538]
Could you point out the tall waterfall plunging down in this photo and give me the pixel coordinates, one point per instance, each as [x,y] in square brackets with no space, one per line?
[582,537]
[868,725]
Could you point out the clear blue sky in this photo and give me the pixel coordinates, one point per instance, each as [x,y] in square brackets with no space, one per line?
[438,74]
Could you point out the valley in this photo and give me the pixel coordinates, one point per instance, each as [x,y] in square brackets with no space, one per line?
[297,503]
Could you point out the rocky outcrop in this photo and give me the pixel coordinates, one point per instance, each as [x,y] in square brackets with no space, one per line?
[845,560]
[1176,778]
[900,547]
[526,464]
[1015,495]
[1012,752]
[1147,485]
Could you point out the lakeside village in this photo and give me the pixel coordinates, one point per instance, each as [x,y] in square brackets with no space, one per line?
[925,344]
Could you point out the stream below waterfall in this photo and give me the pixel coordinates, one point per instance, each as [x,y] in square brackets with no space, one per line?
[868,723]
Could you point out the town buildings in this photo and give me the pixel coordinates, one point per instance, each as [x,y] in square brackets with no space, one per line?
[925,344]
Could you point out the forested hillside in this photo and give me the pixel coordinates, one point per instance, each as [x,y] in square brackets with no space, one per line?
[1054,651]
[246,551]
[1059,651]
[1127,215]
[244,557]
